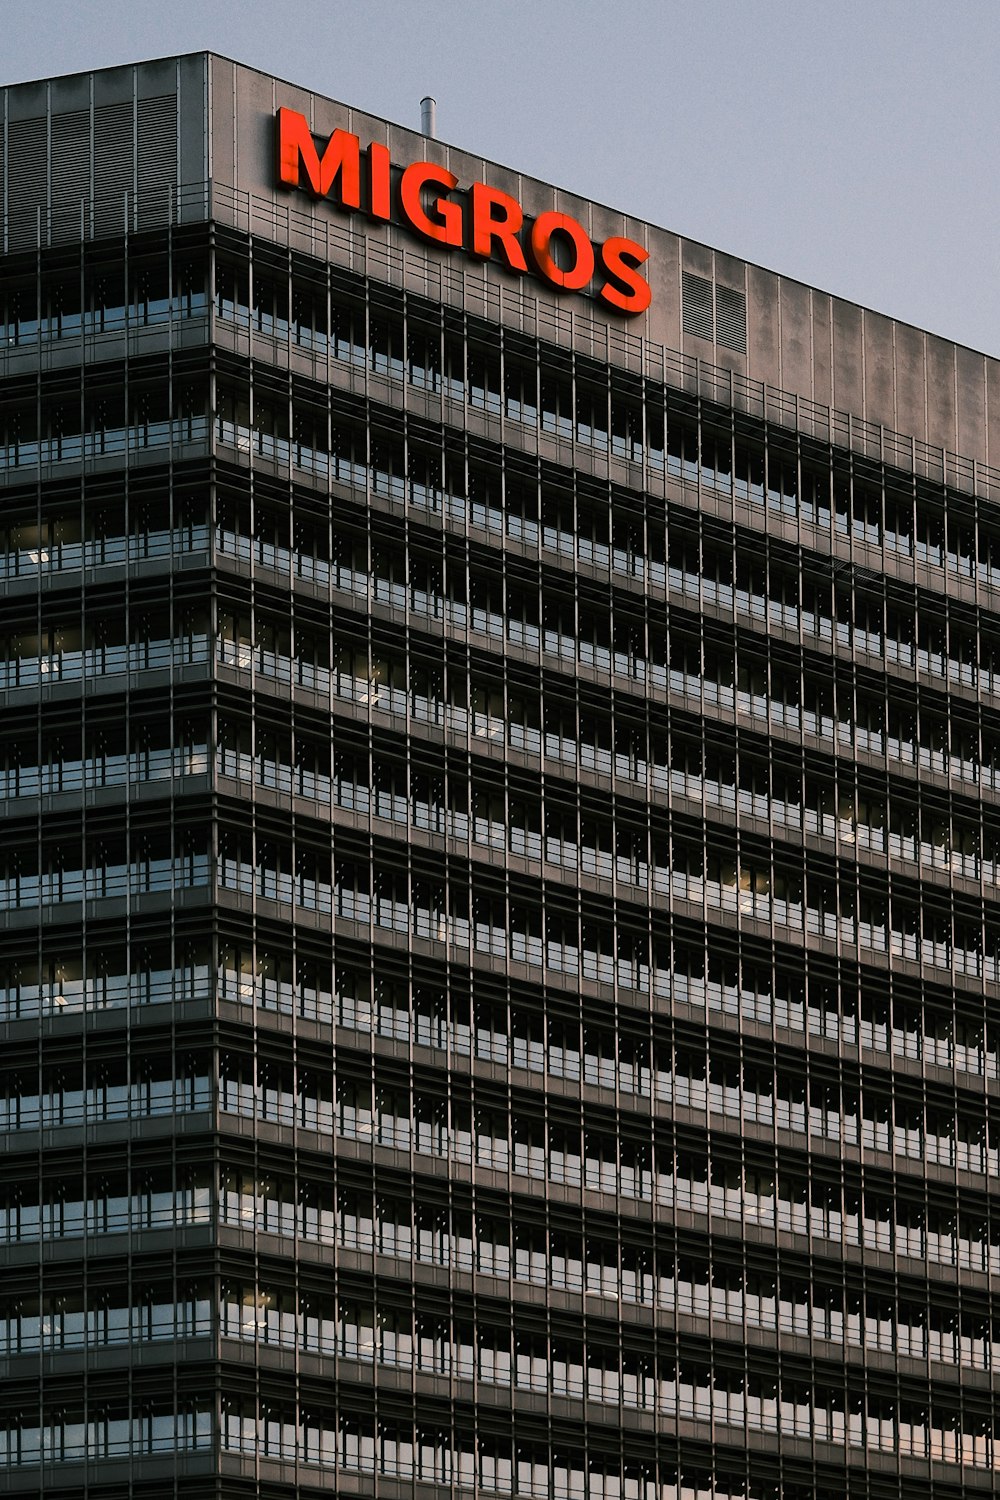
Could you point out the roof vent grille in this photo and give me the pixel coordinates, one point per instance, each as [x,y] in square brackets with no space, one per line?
[70,136]
[716,313]
[731,319]
[26,183]
[113,140]
[698,307]
[157,157]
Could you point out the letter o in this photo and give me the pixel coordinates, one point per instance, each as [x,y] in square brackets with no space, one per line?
[582,269]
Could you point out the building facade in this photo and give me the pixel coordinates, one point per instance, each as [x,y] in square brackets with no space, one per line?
[499,909]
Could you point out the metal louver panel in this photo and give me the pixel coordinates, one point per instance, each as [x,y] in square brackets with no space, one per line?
[112,167]
[70,136]
[157,151]
[731,319]
[26,183]
[697,303]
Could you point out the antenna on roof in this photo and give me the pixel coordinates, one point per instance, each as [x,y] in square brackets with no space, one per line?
[428,117]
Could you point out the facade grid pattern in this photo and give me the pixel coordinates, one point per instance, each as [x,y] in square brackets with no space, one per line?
[499,894]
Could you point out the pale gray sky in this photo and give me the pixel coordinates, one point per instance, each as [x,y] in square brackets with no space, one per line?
[853,145]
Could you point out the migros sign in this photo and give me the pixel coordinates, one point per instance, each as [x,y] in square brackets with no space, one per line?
[482,221]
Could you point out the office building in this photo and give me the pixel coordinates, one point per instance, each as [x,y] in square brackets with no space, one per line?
[501,742]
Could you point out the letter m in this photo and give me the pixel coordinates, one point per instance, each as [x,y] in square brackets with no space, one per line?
[297,154]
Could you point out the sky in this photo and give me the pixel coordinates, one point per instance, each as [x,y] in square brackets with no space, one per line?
[855,146]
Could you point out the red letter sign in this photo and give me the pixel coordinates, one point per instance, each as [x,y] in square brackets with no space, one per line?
[296,148]
[379,166]
[488,228]
[619,257]
[496,216]
[580,272]
[447,228]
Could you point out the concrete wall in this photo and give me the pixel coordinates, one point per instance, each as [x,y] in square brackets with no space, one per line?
[102,152]
[800,339]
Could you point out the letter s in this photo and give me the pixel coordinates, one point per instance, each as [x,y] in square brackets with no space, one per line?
[620,258]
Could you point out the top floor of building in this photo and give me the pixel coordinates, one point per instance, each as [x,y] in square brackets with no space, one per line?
[113,151]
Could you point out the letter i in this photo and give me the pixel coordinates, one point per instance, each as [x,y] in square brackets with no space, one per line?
[378,181]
